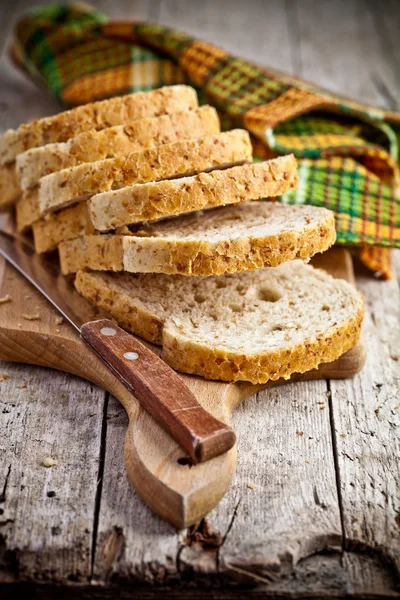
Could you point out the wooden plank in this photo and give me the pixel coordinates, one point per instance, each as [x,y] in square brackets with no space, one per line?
[46,522]
[366,424]
[364,455]
[285,452]
[133,544]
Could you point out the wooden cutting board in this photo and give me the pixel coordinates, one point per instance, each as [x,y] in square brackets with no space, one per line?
[157,467]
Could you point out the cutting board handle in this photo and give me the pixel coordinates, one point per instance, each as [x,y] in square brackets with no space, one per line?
[159,390]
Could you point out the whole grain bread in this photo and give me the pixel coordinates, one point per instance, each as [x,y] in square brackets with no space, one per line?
[298,317]
[27,210]
[223,240]
[10,189]
[55,228]
[93,145]
[97,115]
[150,201]
[185,157]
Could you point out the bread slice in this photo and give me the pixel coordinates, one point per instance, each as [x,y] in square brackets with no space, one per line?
[67,224]
[222,240]
[10,189]
[185,157]
[255,326]
[150,201]
[97,115]
[120,140]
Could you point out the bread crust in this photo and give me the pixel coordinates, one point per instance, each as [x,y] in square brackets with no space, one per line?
[185,157]
[212,362]
[151,201]
[203,257]
[120,140]
[187,356]
[97,115]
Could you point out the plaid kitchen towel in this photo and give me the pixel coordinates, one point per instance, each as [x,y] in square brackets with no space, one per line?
[347,151]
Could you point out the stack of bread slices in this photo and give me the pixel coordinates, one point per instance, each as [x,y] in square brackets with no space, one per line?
[163,220]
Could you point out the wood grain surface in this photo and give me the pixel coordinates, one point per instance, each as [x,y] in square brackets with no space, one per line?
[321,463]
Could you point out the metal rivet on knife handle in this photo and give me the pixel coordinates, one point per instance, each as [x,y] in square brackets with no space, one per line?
[160,391]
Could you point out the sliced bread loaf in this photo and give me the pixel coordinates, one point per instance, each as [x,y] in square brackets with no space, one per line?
[222,240]
[298,317]
[150,201]
[97,115]
[120,140]
[185,157]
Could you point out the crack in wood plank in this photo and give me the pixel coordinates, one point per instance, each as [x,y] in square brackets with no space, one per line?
[4,490]
[100,474]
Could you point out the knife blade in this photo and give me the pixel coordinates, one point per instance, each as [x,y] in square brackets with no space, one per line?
[157,387]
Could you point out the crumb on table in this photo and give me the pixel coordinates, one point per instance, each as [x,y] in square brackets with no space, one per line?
[5,299]
[49,462]
[33,317]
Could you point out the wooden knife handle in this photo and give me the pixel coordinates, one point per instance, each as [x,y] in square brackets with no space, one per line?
[160,391]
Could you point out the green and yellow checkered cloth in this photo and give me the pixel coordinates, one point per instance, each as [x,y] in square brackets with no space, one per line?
[347,151]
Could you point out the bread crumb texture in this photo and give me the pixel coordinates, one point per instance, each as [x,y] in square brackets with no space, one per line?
[254,326]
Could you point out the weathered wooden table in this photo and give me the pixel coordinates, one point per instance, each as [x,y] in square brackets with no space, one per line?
[321,516]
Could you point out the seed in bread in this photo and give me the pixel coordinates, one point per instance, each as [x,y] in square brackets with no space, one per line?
[299,317]
[222,240]
[150,201]
[93,145]
[185,157]
[96,115]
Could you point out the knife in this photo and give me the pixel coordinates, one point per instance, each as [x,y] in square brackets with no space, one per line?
[157,387]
